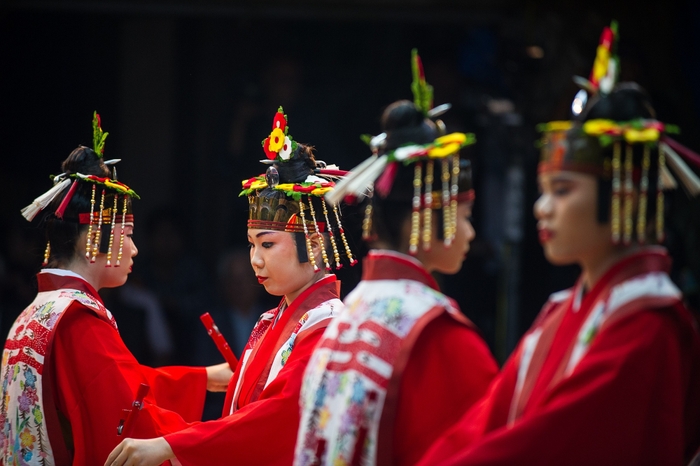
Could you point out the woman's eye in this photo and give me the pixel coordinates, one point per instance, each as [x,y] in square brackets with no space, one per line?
[561,189]
[251,245]
[267,244]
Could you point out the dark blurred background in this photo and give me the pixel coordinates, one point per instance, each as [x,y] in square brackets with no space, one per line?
[187,90]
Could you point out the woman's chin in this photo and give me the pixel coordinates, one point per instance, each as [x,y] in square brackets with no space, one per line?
[557,258]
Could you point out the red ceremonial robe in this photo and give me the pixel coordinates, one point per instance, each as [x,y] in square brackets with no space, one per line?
[628,392]
[449,369]
[90,376]
[444,368]
[263,425]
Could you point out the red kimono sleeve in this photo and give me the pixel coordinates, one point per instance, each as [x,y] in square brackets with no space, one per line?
[95,377]
[449,369]
[262,432]
[625,403]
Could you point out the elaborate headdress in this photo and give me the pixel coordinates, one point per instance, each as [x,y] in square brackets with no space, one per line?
[613,136]
[434,187]
[113,209]
[289,196]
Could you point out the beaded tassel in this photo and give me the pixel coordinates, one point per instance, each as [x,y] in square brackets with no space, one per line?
[629,192]
[428,206]
[47,254]
[98,230]
[415,215]
[660,199]
[88,246]
[454,191]
[309,249]
[643,195]
[318,232]
[367,222]
[336,254]
[615,214]
[121,236]
[446,202]
[353,261]
[111,231]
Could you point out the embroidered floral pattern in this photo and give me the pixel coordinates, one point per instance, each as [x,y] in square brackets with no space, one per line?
[344,404]
[23,434]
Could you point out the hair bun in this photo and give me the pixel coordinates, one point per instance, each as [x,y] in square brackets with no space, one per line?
[84,160]
[628,101]
[404,123]
[299,166]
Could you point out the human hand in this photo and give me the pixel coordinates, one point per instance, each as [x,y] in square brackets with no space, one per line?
[218,377]
[132,452]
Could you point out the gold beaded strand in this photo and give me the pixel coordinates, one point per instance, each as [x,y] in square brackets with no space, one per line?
[309,249]
[629,193]
[121,235]
[415,214]
[367,222]
[428,206]
[454,191]
[643,195]
[111,231]
[446,202]
[353,261]
[98,230]
[334,246]
[318,232]
[47,254]
[660,199]
[615,213]
[88,245]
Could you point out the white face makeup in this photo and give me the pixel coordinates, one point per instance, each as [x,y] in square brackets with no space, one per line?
[566,213]
[273,256]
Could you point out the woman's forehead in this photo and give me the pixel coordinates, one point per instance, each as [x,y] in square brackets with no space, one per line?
[259,233]
[562,175]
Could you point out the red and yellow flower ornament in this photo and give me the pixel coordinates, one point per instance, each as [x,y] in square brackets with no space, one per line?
[279,145]
[299,207]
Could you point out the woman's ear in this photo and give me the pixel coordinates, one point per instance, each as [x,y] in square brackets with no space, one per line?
[316,240]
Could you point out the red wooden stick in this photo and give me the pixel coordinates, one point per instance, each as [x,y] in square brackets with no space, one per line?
[219,340]
[128,415]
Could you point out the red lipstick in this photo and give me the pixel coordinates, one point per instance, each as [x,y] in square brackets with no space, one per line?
[545,235]
[261,279]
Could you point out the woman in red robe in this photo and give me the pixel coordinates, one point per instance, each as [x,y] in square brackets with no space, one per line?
[393,371]
[609,373]
[293,240]
[66,373]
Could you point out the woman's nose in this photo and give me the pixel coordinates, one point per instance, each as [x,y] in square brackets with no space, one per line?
[255,260]
[543,206]
[471,234]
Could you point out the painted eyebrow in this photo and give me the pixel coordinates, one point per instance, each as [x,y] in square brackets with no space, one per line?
[561,177]
[263,233]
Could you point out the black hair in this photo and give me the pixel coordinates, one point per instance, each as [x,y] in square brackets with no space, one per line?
[300,165]
[63,234]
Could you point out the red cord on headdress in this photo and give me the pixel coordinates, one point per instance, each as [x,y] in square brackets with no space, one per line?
[386,180]
[64,203]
